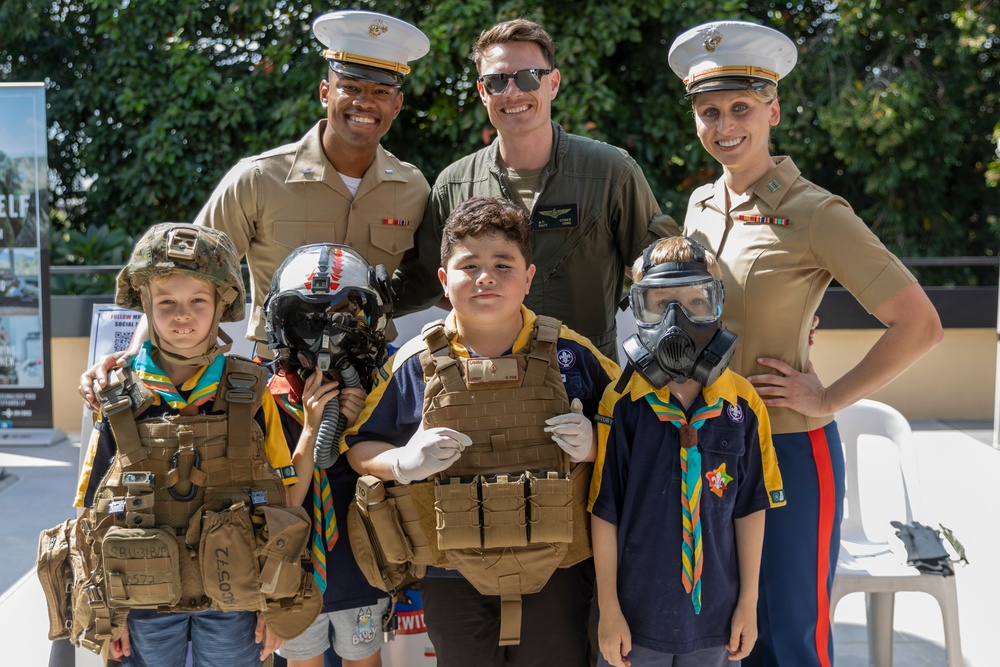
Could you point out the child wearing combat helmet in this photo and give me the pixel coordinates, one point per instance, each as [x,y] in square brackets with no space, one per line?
[493,403]
[685,469]
[325,318]
[185,430]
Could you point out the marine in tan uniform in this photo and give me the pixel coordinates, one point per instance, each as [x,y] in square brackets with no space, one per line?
[336,184]
[780,241]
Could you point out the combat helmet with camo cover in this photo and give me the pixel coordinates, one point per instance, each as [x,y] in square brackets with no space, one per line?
[200,252]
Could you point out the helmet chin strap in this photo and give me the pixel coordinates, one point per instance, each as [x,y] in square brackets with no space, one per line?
[180,357]
[176,356]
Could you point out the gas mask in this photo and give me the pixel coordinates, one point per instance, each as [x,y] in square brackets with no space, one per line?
[678,306]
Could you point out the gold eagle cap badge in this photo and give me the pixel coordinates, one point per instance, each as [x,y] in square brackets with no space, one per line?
[712,40]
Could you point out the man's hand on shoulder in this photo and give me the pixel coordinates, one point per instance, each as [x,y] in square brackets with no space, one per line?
[95,378]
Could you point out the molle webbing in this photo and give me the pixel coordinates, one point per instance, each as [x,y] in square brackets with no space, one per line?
[504,417]
[170,467]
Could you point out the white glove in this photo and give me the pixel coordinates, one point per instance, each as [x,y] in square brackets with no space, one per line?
[428,452]
[573,432]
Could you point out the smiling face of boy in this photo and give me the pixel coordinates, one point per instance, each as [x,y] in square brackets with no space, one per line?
[486,280]
[182,310]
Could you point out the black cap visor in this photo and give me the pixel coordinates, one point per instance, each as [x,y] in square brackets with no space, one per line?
[728,83]
[373,74]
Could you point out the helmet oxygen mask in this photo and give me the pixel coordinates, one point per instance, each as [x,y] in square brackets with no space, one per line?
[328,309]
[321,334]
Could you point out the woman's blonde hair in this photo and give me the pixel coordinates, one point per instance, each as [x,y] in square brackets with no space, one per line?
[676,249]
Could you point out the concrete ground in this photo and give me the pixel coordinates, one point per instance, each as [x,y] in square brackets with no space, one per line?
[958,469]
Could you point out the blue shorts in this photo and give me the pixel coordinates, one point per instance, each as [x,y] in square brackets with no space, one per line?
[217,638]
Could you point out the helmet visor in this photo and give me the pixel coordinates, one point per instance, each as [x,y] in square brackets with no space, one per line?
[701,300]
[304,324]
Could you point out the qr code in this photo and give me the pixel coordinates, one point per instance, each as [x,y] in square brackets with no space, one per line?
[122,340]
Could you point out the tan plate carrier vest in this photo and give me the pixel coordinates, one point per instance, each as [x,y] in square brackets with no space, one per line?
[191,515]
[511,509]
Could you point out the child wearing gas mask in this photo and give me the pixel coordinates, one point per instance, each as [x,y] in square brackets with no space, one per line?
[325,318]
[685,469]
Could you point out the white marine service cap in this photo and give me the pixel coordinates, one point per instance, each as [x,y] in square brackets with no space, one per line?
[370,46]
[731,55]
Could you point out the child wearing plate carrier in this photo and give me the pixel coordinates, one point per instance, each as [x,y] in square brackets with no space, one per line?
[477,435]
[186,476]
[325,318]
[685,469]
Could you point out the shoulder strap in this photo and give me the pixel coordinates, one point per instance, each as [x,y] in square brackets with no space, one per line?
[125,397]
[543,343]
[437,360]
[240,394]
[624,378]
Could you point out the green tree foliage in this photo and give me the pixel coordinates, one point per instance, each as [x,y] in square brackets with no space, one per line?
[894,104]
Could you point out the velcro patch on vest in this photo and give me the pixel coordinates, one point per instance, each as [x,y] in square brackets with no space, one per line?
[502,370]
[558,216]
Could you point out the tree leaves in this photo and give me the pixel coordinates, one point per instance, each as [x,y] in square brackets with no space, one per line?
[894,105]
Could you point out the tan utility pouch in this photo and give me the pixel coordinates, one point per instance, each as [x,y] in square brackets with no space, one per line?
[371,559]
[505,522]
[227,553]
[382,514]
[55,574]
[550,508]
[285,541]
[457,508]
[141,567]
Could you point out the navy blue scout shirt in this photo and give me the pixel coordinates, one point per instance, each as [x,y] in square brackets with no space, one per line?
[394,408]
[637,487]
[346,587]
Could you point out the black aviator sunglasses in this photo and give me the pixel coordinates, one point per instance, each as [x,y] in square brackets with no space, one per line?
[527,80]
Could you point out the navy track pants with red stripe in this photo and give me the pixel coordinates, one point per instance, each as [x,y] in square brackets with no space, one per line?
[801,543]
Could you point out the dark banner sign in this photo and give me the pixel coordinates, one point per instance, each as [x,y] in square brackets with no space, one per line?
[25,373]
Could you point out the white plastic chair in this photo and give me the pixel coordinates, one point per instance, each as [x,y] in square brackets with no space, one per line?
[867,562]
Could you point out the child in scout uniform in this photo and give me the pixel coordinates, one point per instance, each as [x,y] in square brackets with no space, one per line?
[187,459]
[684,472]
[479,428]
[325,318]
[780,241]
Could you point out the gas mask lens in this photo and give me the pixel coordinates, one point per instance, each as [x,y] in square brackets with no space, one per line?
[700,301]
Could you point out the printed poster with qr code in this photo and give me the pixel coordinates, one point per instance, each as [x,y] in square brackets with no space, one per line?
[25,368]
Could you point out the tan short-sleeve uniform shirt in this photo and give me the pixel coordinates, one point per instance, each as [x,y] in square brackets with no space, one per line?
[272,203]
[779,251]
